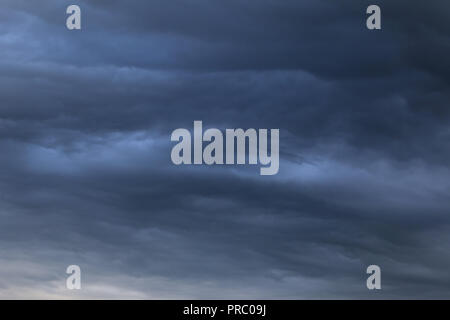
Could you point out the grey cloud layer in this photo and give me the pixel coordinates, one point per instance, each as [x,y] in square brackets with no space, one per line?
[86,178]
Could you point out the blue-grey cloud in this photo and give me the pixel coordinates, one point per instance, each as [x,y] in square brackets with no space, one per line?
[86,176]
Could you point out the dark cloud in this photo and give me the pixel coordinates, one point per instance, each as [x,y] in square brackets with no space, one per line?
[86,176]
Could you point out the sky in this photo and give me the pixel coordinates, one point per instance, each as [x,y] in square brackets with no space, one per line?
[86,176]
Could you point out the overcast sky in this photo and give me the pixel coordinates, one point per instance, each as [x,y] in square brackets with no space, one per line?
[85,170]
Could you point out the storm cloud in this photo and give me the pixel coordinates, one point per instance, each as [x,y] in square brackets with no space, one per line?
[85,170]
